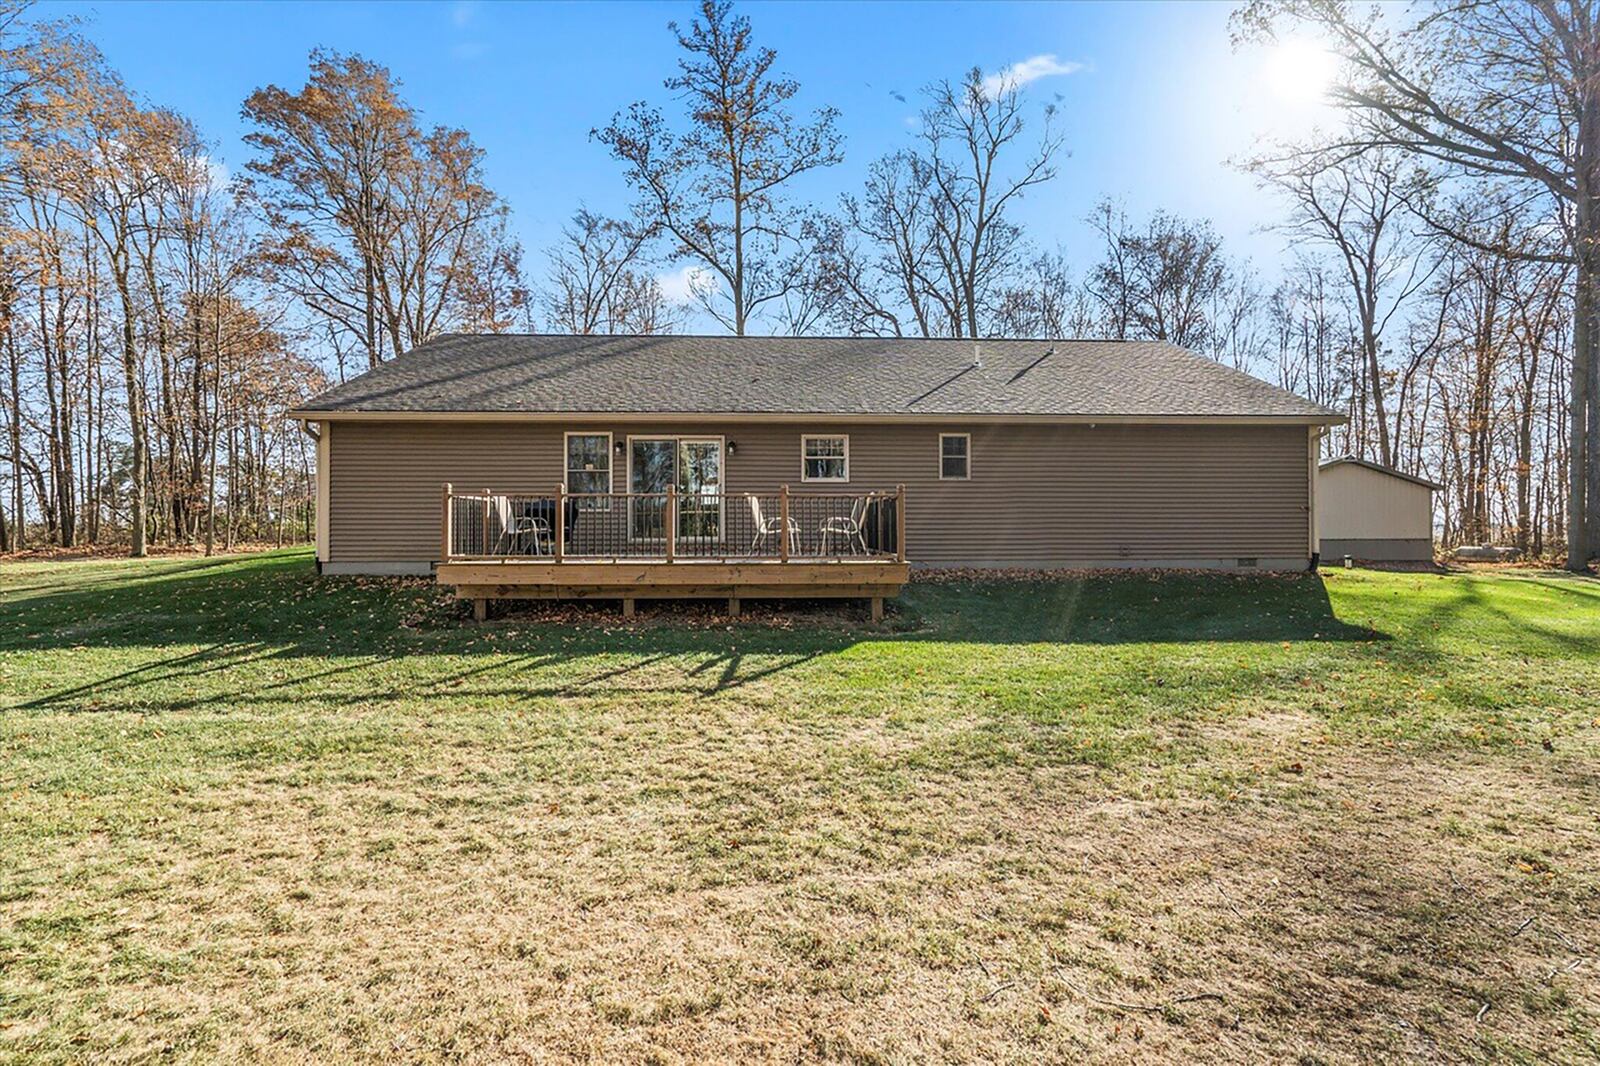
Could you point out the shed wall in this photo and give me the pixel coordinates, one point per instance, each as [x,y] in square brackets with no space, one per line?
[1356,503]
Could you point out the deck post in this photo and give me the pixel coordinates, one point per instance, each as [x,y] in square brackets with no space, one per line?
[899,527]
[486,522]
[672,522]
[627,606]
[480,609]
[733,607]
[877,608]
[444,526]
[783,523]
[561,522]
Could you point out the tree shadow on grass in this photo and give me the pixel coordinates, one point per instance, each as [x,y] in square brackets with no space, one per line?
[264,631]
[277,601]
[266,615]
[1136,608]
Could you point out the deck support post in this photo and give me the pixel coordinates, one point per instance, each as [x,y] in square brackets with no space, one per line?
[733,607]
[560,520]
[900,523]
[444,527]
[877,608]
[486,500]
[627,606]
[480,610]
[672,522]
[783,523]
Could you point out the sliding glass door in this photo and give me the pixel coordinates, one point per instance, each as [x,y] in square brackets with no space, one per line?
[694,465]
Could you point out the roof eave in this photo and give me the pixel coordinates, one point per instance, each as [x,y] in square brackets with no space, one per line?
[912,417]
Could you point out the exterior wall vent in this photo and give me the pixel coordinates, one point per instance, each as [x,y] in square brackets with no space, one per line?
[1247,562]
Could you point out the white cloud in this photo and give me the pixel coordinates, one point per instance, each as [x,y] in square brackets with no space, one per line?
[1028,70]
[681,285]
[463,12]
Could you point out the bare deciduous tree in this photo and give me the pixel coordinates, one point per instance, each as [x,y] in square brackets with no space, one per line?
[718,187]
[1499,90]
[929,248]
[595,283]
[1159,281]
[1354,206]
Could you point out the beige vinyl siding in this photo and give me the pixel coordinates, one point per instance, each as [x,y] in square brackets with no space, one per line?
[1358,503]
[1039,495]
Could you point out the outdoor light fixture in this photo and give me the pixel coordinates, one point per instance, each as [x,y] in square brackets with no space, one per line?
[620,448]
[732,447]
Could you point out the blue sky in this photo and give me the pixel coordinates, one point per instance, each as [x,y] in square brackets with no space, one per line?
[1158,105]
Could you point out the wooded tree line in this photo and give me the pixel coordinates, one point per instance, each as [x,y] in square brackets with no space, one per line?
[159,316]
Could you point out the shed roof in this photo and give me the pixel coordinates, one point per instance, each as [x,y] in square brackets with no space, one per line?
[1381,469]
[835,376]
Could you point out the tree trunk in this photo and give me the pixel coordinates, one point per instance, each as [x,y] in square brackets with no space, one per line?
[18,501]
[1582,356]
[134,384]
[1591,452]
[1379,415]
[216,417]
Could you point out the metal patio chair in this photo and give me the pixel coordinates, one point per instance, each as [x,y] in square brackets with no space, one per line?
[771,527]
[850,529]
[513,527]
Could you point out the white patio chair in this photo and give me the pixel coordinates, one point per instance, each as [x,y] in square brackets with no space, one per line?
[771,527]
[849,528]
[513,527]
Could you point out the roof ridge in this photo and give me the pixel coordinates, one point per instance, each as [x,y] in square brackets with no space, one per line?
[806,337]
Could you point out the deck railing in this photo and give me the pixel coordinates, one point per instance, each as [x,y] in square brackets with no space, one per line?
[671,526]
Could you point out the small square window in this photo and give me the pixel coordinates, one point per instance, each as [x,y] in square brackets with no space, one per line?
[824,458]
[955,456]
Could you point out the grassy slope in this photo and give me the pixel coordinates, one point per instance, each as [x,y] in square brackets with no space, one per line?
[249,813]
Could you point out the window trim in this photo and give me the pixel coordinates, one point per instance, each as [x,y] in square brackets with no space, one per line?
[804,438]
[968,475]
[566,457]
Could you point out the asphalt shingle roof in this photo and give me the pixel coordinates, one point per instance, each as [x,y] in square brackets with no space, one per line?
[808,375]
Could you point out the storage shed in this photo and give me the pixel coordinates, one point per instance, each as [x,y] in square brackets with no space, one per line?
[1368,511]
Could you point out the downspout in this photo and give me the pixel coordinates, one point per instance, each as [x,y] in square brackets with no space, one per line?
[1313,464]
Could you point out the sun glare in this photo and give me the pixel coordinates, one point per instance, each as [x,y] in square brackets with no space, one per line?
[1299,72]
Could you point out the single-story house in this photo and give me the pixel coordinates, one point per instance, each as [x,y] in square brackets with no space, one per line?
[1373,512]
[649,450]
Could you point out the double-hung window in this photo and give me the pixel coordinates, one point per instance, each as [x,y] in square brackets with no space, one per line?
[589,465]
[824,458]
[955,456]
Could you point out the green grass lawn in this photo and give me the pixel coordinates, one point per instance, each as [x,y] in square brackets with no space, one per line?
[250,813]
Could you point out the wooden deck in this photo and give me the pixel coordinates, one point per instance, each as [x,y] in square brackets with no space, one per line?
[521,547]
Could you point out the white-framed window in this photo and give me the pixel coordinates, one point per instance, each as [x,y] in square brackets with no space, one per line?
[955,456]
[588,463]
[824,457]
